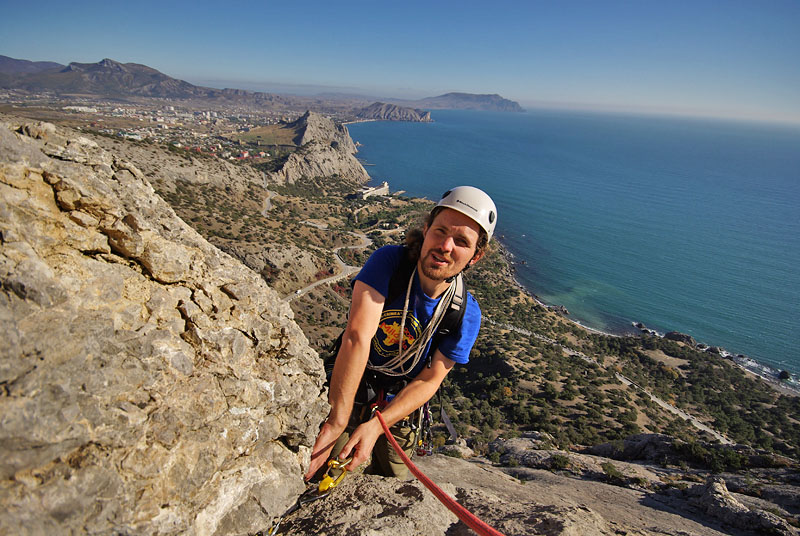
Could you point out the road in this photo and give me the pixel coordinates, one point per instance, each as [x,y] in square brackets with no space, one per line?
[346,269]
[267,203]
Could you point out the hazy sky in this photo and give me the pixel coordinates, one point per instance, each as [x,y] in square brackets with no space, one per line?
[727,57]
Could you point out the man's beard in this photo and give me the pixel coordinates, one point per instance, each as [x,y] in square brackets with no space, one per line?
[437,273]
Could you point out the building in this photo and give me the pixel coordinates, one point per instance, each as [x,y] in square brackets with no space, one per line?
[368,191]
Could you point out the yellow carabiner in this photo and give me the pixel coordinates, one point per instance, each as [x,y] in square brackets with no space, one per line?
[328,482]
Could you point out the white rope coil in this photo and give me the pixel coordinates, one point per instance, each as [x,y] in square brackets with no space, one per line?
[398,365]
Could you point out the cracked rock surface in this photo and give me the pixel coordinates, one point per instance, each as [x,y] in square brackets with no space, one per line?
[149,383]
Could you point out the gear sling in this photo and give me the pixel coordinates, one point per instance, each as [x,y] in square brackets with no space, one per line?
[376,388]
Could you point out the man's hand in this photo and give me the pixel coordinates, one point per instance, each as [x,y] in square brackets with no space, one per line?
[361,443]
[365,312]
[322,449]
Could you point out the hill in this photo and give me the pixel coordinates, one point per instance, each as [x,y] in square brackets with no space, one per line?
[11,66]
[470,101]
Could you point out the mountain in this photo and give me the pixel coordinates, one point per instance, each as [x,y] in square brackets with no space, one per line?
[393,112]
[107,78]
[327,151]
[470,101]
[11,66]
[110,78]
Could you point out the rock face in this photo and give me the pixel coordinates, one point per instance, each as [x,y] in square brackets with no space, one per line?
[647,447]
[543,503]
[326,151]
[393,112]
[680,337]
[276,258]
[150,383]
[317,127]
[714,500]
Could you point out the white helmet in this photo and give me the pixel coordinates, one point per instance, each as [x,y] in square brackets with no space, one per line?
[474,203]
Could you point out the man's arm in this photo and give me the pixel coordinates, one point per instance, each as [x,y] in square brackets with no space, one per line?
[365,314]
[412,397]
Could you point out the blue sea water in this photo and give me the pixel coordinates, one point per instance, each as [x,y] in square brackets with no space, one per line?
[682,224]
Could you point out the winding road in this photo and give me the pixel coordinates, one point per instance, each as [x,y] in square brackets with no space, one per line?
[346,269]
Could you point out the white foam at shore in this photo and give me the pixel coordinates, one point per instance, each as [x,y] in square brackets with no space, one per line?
[748,364]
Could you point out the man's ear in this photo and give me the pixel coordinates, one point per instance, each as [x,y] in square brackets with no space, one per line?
[478,256]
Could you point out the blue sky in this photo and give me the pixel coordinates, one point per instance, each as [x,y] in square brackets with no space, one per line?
[721,58]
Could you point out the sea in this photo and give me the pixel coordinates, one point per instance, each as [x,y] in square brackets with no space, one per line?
[682,224]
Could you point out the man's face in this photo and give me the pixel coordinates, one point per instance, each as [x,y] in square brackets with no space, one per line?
[449,245]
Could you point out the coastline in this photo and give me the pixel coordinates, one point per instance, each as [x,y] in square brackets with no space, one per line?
[749,365]
[710,312]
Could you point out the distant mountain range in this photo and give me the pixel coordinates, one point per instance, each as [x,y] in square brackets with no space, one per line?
[109,78]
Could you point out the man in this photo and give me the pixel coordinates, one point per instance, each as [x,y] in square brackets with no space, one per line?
[454,237]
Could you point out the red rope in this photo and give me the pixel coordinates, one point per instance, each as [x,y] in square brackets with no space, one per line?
[462,513]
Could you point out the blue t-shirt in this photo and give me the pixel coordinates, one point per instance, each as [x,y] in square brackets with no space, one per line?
[376,273]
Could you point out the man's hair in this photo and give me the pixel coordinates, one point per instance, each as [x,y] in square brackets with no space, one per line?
[414,237]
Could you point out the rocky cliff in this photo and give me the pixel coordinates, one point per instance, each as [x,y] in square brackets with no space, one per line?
[150,383]
[326,150]
[314,127]
[393,112]
[527,501]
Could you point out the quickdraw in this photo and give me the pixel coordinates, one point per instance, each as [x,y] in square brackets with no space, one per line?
[424,432]
[313,493]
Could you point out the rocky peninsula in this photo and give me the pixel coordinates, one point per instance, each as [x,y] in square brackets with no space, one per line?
[392,112]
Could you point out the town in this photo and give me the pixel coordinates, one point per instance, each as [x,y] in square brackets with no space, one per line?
[191,126]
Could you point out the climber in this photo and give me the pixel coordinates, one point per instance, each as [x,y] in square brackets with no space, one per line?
[371,366]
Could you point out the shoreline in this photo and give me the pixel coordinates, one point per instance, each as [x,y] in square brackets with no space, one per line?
[747,364]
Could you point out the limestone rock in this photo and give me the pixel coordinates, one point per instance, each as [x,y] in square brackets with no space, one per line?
[533,451]
[326,151]
[393,112]
[545,504]
[318,160]
[172,170]
[649,447]
[714,499]
[681,337]
[318,128]
[458,449]
[151,383]
[288,261]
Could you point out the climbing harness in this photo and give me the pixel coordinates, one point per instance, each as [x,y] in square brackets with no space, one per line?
[313,493]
